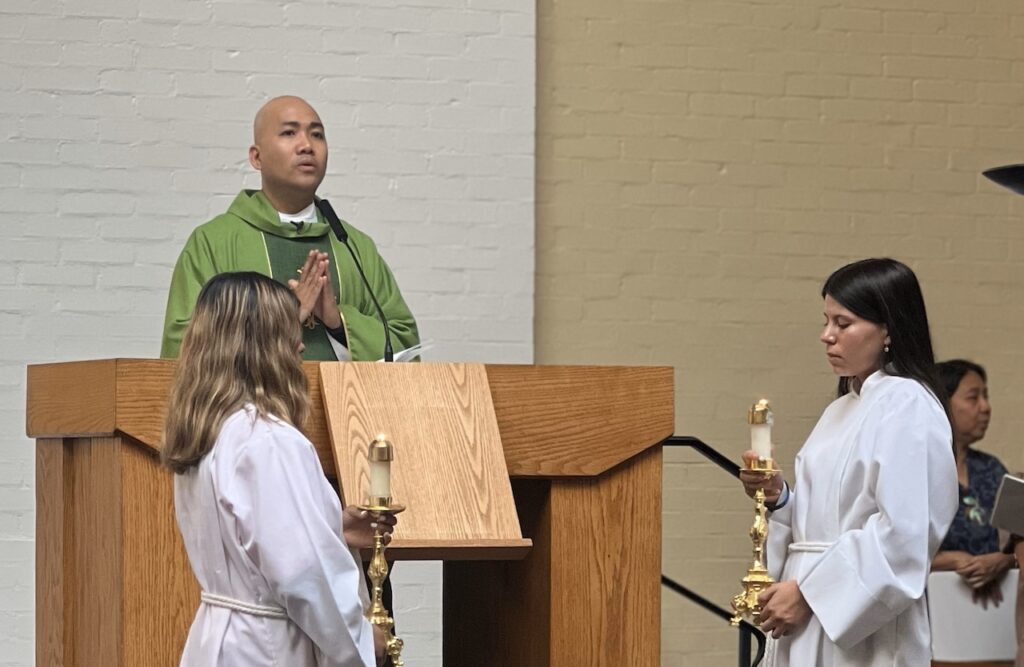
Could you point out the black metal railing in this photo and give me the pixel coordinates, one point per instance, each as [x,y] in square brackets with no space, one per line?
[709,452]
[746,629]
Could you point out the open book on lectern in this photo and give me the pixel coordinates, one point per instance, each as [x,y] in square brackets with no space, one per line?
[410,353]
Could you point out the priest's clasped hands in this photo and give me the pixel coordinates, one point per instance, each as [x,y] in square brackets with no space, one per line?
[314,291]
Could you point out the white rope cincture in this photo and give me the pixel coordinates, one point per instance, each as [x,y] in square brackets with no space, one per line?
[263,610]
[809,547]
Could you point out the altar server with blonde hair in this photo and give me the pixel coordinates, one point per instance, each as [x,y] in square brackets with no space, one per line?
[265,532]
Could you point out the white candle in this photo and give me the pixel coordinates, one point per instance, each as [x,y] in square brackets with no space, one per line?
[380,479]
[760,418]
[761,440]
[381,453]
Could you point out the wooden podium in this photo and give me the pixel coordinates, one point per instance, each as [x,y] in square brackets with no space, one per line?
[580,443]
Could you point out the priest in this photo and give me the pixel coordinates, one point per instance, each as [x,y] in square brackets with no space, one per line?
[280,231]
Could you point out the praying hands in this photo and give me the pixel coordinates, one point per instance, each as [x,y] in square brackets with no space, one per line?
[314,291]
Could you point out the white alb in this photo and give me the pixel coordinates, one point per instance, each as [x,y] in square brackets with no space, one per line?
[262,527]
[874,492]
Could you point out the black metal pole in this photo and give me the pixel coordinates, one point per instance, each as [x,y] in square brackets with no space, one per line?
[744,646]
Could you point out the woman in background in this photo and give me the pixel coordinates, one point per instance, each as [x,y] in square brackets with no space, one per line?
[851,542]
[261,524]
[971,547]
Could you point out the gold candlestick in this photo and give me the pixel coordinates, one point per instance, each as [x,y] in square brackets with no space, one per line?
[382,451]
[746,604]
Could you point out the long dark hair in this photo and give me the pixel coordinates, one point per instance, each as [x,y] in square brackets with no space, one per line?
[886,292]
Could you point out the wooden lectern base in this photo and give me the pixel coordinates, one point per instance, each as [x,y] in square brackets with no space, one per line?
[584,596]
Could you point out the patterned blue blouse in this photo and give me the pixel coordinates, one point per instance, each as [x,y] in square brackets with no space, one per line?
[971,531]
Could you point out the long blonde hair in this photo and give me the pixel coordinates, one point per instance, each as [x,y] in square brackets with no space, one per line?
[242,346]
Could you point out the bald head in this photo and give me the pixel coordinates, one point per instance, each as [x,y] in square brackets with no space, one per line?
[289,149]
[268,115]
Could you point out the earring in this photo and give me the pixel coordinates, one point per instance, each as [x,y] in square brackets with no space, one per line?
[886,349]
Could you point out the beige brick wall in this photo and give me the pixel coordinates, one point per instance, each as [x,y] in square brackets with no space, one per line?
[702,167]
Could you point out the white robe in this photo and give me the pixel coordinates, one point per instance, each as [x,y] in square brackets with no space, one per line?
[262,525]
[875,490]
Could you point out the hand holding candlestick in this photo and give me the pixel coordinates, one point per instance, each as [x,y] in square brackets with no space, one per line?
[360,527]
[757,475]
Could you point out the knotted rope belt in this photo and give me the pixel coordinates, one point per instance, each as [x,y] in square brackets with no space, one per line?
[809,547]
[263,610]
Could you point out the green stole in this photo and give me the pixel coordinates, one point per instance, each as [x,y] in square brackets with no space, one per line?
[287,255]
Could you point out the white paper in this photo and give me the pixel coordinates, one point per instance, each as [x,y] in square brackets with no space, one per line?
[1008,512]
[411,353]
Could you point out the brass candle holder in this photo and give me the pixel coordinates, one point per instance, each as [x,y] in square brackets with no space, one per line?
[381,453]
[746,604]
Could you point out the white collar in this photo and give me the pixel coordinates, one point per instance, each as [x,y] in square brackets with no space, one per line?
[869,382]
[307,214]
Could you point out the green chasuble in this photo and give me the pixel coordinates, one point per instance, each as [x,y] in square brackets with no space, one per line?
[250,237]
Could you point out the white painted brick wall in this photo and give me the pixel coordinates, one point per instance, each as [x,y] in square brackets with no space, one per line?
[126,123]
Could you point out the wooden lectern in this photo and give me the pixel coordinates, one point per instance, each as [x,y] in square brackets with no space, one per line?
[581,446]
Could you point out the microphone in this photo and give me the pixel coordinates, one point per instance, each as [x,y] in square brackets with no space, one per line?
[338,228]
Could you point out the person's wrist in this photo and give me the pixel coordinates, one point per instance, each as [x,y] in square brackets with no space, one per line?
[338,333]
[330,318]
[780,500]
[331,321]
